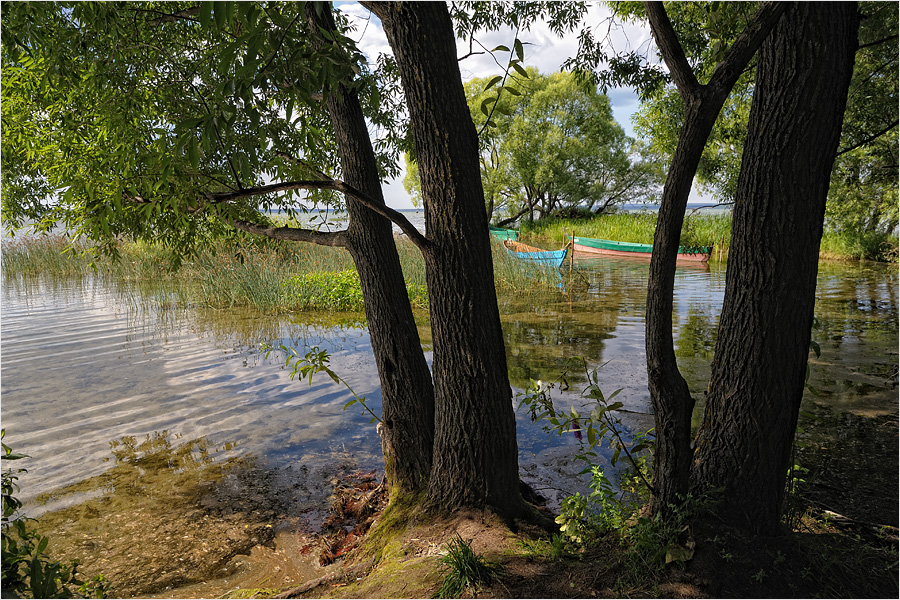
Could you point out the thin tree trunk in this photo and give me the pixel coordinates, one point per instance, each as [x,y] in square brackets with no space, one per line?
[407,429]
[475,452]
[762,349]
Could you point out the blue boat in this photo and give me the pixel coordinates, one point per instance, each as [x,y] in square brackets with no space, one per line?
[551,258]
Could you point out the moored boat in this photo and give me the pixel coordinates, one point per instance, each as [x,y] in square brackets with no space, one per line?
[590,246]
[552,258]
[504,234]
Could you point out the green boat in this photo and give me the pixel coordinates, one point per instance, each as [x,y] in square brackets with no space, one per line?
[504,234]
[591,246]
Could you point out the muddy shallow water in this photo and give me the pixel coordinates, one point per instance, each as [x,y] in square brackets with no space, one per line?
[168,451]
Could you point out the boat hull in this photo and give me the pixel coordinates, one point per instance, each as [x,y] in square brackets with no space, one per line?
[611,248]
[551,258]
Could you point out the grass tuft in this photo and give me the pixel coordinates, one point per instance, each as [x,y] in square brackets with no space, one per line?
[463,570]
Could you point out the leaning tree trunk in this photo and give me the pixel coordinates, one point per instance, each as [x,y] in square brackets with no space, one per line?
[757,382]
[669,394]
[407,429]
[475,452]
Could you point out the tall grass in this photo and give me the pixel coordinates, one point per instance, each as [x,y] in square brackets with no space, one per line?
[53,254]
[270,275]
[698,230]
[703,230]
[522,277]
[843,245]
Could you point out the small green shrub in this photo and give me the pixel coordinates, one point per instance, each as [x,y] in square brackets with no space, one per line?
[463,570]
[326,290]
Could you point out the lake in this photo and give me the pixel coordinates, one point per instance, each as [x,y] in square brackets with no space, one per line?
[88,370]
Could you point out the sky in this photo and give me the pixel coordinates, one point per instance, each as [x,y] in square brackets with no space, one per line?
[543,50]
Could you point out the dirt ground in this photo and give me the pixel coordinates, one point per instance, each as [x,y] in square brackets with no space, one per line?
[164,523]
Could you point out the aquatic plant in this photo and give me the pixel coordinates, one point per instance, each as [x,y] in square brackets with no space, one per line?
[313,362]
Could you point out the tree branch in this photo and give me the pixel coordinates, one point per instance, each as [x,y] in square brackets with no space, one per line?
[738,56]
[390,214]
[164,17]
[322,238]
[876,42]
[869,139]
[671,50]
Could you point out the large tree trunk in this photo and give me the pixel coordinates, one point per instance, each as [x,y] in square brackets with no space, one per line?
[407,429]
[762,349]
[475,452]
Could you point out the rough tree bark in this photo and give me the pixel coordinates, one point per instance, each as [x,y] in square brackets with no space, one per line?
[475,453]
[407,429]
[800,94]
[671,400]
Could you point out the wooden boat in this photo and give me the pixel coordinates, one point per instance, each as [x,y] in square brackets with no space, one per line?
[593,247]
[551,258]
[504,234]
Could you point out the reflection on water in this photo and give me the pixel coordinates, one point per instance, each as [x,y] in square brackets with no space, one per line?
[82,367]
[84,363]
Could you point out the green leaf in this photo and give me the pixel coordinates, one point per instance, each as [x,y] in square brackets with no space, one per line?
[219,14]
[494,81]
[486,104]
[206,14]
[519,69]
[520,51]
[500,48]
[194,153]
[815,348]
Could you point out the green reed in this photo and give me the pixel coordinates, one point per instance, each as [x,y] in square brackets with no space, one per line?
[51,254]
[639,227]
[859,245]
[522,277]
[244,270]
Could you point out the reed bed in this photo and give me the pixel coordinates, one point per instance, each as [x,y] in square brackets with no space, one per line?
[242,270]
[522,277]
[698,230]
[876,245]
[52,254]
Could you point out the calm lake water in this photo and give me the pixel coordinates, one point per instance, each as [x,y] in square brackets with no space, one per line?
[84,365]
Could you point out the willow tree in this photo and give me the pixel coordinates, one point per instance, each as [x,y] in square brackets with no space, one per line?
[671,399]
[475,451]
[171,122]
[799,98]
